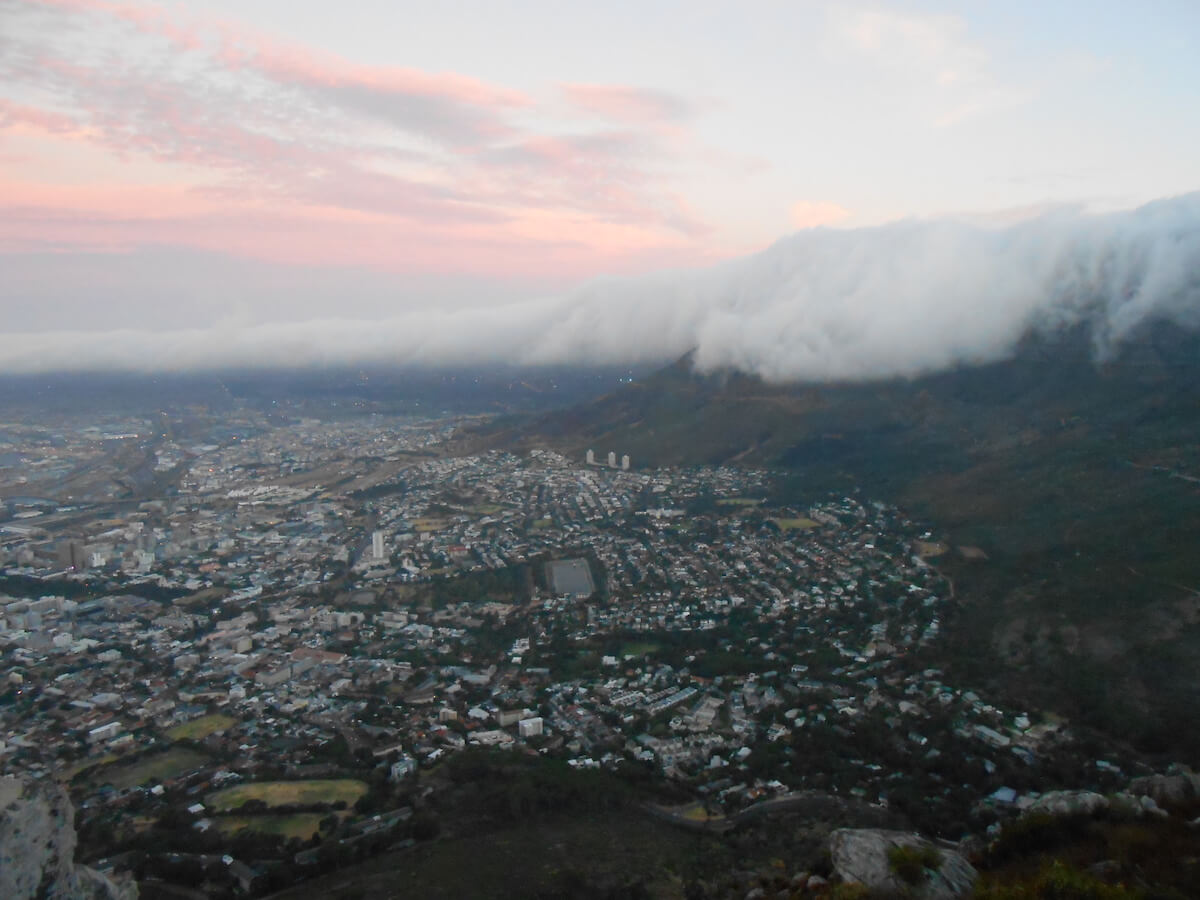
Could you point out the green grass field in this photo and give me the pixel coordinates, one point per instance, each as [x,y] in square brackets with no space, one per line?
[795,524]
[284,793]
[82,765]
[930,549]
[738,501]
[162,766]
[200,728]
[639,648]
[695,812]
[300,825]
[427,524]
[204,598]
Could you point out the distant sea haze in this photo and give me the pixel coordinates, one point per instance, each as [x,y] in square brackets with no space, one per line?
[896,300]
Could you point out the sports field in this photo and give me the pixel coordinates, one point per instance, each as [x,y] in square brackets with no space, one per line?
[161,766]
[300,825]
[289,793]
[200,728]
[795,524]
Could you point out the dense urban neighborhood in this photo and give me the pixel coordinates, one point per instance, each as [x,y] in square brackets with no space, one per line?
[270,643]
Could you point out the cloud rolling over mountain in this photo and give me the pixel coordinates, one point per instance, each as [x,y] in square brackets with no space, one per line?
[899,299]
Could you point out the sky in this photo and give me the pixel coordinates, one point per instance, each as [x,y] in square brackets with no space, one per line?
[265,174]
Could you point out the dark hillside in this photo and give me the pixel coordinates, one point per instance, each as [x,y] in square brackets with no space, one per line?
[1079,481]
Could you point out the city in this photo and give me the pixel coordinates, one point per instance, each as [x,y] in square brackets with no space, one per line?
[280,652]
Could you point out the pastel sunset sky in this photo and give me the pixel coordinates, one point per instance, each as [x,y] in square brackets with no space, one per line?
[167,164]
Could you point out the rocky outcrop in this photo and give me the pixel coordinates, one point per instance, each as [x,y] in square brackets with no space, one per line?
[865,856]
[37,847]
[1070,803]
[1179,788]
[1142,799]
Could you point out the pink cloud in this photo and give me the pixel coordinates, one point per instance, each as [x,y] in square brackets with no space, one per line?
[16,116]
[447,106]
[290,154]
[806,214]
[539,241]
[450,105]
[624,103]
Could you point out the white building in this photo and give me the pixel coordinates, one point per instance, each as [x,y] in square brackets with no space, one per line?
[528,728]
[625,463]
[591,457]
[612,459]
[377,544]
[402,768]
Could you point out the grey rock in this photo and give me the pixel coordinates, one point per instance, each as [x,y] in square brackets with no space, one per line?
[37,847]
[1070,803]
[861,855]
[973,845]
[1152,808]
[1126,805]
[1166,790]
[816,882]
[1191,777]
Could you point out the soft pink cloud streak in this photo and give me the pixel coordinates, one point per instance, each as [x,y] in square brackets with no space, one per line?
[592,201]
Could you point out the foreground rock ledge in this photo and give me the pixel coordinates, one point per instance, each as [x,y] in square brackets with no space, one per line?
[37,847]
[861,855]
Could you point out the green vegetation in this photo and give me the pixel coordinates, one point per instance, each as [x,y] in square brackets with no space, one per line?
[1044,856]
[850,890]
[200,728]
[621,855]
[1060,882]
[509,585]
[516,788]
[289,793]
[1034,833]
[913,862]
[739,501]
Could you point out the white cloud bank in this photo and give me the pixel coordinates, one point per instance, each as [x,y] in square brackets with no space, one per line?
[901,299]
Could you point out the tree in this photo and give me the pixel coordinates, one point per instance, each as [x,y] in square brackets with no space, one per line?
[425,827]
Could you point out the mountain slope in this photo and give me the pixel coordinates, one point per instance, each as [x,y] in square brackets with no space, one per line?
[1079,481]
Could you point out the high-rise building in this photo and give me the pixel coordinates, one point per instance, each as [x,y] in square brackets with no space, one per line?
[612,459]
[591,457]
[377,544]
[625,463]
[72,554]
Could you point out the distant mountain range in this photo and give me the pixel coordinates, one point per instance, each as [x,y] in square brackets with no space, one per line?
[1079,480]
